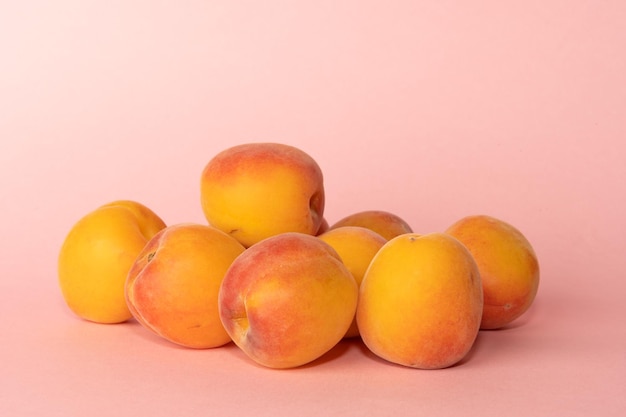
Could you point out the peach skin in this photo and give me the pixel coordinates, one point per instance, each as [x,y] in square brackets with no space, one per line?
[324,226]
[287,300]
[508,266]
[172,287]
[97,254]
[257,190]
[386,224]
[420,301]
[356,247]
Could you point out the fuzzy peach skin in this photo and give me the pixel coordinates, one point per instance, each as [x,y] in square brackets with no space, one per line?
[420,301]
[386,224]
[356,247]
[508,266]
[172,287]
[257,190]
[96,255]
[287,300]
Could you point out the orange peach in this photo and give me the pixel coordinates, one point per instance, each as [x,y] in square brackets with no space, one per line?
[287,300]
[172,287]
[257,190]
[508,266]
[420,302]
[96,255]
[356,247]
[386,224]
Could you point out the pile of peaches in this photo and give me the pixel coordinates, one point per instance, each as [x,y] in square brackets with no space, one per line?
[269,273]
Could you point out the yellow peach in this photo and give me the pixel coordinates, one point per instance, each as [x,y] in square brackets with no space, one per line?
[96,255]
[386,224]
[172,287]
[287,300]
[257,190]
[356,247]
[508,266]
[420,301]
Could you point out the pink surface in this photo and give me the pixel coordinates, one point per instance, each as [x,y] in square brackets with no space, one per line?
[432,110]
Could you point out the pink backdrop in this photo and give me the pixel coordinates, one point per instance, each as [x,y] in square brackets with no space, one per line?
[430,109]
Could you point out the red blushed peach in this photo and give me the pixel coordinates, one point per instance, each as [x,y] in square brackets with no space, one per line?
[257,190]
[386,224]
[508,266]
[287,300]
[173,286]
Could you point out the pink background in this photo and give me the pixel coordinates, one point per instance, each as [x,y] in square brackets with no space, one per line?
[430,109]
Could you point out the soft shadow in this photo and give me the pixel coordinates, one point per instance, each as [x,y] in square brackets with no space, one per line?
[142,332]
[523,320]
[369,355]
[335,353]
[339,350]
[475,349]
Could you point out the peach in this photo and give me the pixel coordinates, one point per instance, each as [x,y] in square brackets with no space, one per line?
[386,224]
[420,301]
[508,266]
[287,300]
[324,226]
[257,190]
[356,247]
[172,287]
[96,255]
